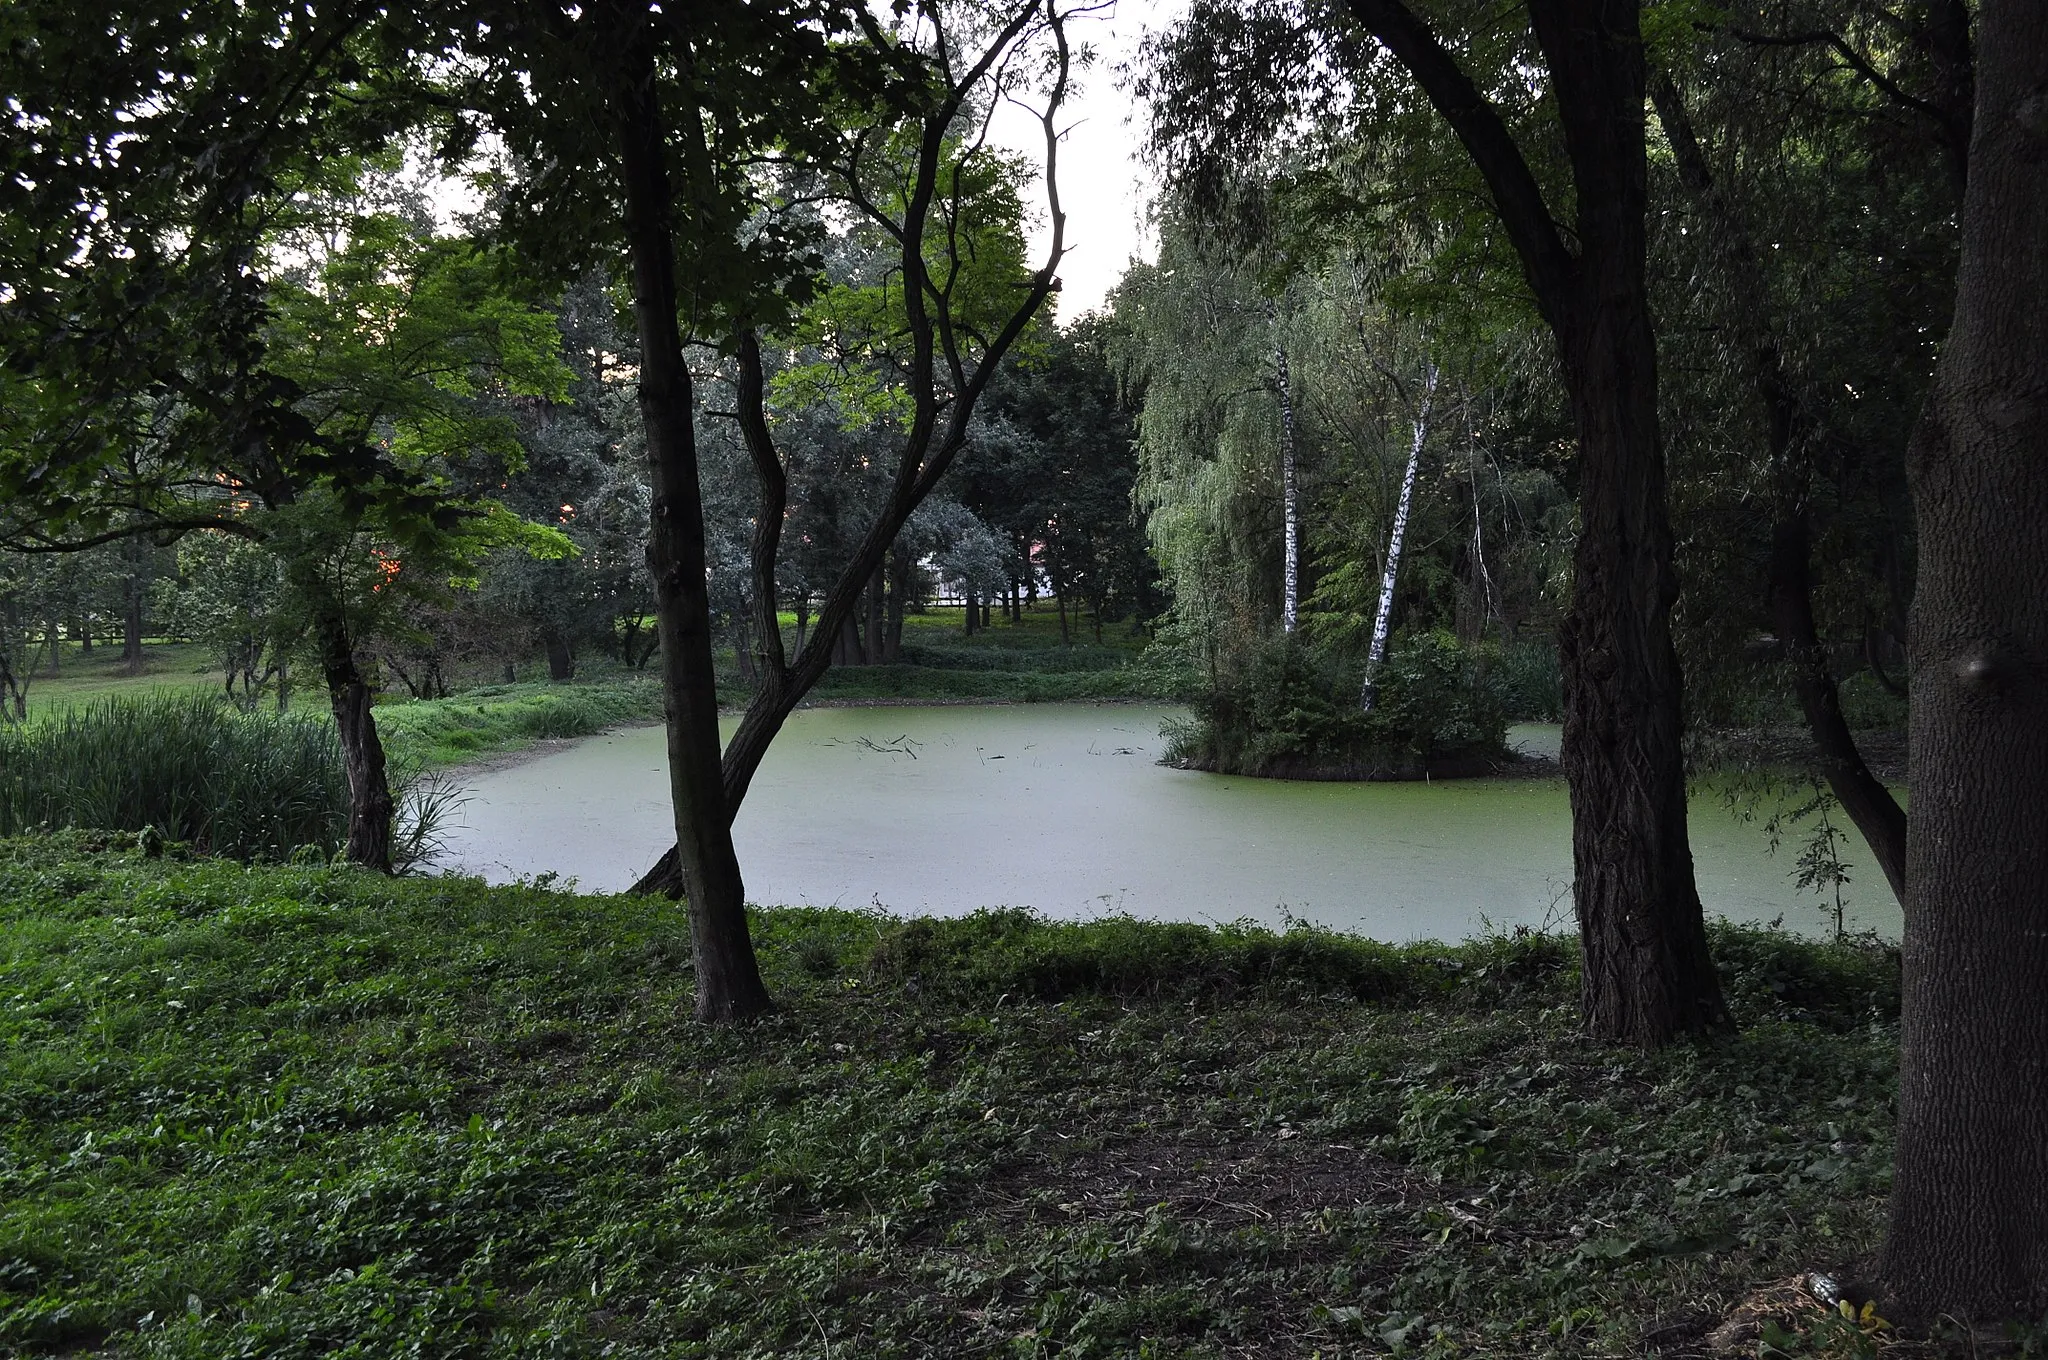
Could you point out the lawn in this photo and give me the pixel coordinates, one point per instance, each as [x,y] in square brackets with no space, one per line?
[302,1110]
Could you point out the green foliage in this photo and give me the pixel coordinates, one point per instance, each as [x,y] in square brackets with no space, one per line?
[1293,712]
[304,1110]
[250,785]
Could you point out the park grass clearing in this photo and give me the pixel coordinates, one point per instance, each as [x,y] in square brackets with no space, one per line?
[303,1110]
[83,676]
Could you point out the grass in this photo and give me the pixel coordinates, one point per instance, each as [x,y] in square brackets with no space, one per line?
[452,731]
[248,785]
[83,677]
[297,1111]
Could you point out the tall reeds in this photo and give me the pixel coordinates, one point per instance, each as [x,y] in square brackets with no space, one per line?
[246,785]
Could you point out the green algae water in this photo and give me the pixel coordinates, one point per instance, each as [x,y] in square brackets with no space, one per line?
[1065,809]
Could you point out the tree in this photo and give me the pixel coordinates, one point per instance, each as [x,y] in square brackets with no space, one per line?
[964,300]
[175,363]
[1647,977]
[1969,1224]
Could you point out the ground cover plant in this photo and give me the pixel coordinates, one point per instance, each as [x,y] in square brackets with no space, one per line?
[301,1109]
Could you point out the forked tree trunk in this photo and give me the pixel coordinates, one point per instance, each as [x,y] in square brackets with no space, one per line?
[1969,1211]
[729,982]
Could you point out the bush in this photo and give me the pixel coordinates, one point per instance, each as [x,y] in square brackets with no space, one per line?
[1293,714]
[1526,677]
[244,785]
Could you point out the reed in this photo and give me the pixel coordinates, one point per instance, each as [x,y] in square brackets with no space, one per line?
[245,785]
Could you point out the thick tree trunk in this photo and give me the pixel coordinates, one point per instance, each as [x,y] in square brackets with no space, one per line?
[729,982]
[1646,976]
[973,611]
[1969,1225]
[370,805]
[561,661]
[1863,796]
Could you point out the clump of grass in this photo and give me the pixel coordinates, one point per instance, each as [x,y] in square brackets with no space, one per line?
[246,785]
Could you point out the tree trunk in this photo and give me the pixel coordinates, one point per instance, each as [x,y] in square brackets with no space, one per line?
[1969,1220]
[901,569]
[1060,597]
[973,610]
[561,661]
[1863,796]
[1646,976]
[1793,433]
[131,625]
[1382,621]
[370,805]
[877,649]
[1290,511]
[729,985]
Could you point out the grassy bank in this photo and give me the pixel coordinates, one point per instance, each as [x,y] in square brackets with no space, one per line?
[303,1111]
[491,718]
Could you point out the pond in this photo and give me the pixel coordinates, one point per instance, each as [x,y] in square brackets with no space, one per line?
[1065,809]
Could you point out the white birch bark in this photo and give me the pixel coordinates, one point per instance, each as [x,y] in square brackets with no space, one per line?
[1290,507]
[1382,621]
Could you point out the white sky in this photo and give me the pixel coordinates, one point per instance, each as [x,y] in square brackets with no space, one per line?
[1105,191]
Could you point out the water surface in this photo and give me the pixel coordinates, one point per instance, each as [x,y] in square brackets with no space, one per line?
[1064,808]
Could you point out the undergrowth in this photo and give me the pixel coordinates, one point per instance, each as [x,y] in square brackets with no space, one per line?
[301,1110]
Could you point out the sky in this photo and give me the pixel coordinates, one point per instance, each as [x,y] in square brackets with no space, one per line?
[1103,188]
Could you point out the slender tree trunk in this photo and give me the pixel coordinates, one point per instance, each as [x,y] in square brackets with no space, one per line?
[370,805]
[729,982]
[901,573]
[1969,1220]
[973,610]
[1060,597]
[1863,796]
[1382,622]
[1290,509]
[877,650]
[803,618]
[1870,805]
[56,648]
[131,625]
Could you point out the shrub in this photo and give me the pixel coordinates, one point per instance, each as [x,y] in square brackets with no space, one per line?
[1293,713]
